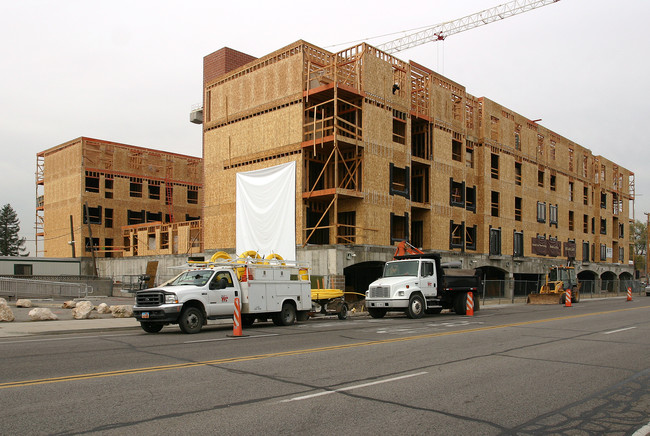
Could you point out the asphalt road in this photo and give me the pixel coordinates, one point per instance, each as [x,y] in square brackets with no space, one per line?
[511,370]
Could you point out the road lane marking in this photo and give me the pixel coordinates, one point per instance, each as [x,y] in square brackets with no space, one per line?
[230,338]
[67,338]
[619,330]
[185,365]
[349,388]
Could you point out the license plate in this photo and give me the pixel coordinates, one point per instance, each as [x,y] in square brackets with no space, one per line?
[145,315]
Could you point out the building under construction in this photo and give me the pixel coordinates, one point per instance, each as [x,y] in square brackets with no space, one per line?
[388,150]
[104,199]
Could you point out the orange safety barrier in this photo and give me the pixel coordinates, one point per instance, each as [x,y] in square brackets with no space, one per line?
[567,298]
[629,294]
[236,325]
[469,309]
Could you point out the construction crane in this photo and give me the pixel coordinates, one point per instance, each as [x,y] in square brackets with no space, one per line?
[441,31]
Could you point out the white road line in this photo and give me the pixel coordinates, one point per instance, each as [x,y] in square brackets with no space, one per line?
[67,338]
[349,388]
[619,330]
[230,338]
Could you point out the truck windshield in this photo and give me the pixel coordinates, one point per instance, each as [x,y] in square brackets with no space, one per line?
[402,268]
[196,278]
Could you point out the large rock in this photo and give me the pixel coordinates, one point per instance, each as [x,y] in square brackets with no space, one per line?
[22,302]
[122,311]
[103,308]
[6,315]
[3,302]
[82,310]
[70,304]
[42,314]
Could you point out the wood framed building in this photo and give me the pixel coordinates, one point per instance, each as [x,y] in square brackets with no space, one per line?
[388,150]
[89,189]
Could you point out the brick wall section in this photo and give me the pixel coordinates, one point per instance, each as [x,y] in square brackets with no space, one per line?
[222,61]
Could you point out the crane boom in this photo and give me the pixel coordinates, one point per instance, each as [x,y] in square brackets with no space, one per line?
[443,30]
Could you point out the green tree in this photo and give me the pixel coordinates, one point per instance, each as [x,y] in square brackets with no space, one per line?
[638,236]
[10,243]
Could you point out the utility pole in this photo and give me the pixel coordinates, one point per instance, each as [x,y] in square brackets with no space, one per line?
[72,241]
[90,233]
[647,245]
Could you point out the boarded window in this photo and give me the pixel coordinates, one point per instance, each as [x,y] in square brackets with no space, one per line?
[518,244]
[495,242]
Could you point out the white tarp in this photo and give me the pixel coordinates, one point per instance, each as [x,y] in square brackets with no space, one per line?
[266,211]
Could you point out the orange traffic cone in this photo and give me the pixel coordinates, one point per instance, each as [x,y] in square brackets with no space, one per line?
[469,308]
[236,324]
[629,294]
[567,298]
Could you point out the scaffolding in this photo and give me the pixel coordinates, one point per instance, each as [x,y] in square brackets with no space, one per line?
[332,144]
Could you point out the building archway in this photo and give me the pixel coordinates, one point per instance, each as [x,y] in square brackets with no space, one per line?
[359,276]
[493,281]
[626,280]
[608,281]
[587,280]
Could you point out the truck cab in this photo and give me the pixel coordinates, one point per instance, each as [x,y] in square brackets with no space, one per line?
[187,299]
[404,286]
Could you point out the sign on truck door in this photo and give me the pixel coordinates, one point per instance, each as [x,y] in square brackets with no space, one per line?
[221,294]
[428,279]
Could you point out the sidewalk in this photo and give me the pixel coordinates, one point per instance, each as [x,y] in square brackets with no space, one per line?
[24,326]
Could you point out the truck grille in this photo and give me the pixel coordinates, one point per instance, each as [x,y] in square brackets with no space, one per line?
[149,298]
[380,292]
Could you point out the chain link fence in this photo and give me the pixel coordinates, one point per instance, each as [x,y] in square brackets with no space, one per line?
[27,288]
[515,291]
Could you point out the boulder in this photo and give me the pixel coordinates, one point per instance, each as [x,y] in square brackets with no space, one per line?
[3,302]
[122,311]
[42,314]
[70,304]
[82,310]
[103,308]
[22,302]
[6,315]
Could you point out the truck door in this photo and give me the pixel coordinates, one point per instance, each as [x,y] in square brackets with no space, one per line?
[221,294]
[428,282]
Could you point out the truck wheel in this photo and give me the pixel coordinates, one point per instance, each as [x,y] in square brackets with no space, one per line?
[302,315]
[416,307]
[247,320]
[377,313]
[191,320]
[343,313]
[151,327]
[287,315]
[460,304]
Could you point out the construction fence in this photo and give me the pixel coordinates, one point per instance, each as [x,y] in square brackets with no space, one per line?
[55,287]
[511,291]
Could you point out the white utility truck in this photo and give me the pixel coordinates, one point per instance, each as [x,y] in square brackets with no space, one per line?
[418,284]
[267,288]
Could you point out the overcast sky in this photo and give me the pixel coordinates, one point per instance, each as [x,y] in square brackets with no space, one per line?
[130,71]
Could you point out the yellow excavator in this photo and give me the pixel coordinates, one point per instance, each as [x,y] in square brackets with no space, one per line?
[557,281]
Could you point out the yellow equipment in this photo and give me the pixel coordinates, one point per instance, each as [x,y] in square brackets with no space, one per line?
[553,291]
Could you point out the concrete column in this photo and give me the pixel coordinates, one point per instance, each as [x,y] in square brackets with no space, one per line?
[509,286]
